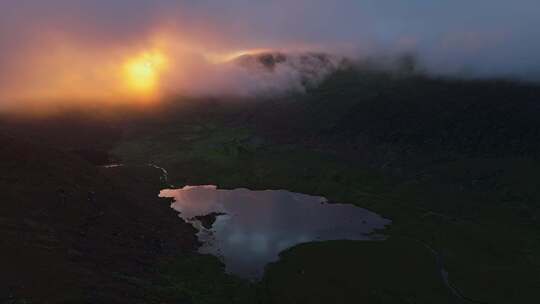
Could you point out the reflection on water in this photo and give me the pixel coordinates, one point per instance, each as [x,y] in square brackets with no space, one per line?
[257,225]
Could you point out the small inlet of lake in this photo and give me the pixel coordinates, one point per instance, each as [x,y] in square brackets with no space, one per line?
[248,229]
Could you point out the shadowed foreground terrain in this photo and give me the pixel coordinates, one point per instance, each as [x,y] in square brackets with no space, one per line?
[71,230]
[452,163]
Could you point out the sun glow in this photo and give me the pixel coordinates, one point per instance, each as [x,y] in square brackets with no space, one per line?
[142,73]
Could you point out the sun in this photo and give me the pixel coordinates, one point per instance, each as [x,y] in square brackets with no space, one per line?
[142,73]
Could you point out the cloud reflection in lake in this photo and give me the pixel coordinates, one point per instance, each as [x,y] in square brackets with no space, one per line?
[258,225]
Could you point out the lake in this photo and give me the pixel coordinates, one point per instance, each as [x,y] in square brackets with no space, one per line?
[248,229]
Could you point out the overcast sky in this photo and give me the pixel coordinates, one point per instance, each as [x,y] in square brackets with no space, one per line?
[483,37]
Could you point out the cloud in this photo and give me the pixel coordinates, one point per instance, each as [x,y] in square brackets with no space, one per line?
[50,47]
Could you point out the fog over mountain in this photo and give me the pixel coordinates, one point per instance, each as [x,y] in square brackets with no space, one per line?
[83,40]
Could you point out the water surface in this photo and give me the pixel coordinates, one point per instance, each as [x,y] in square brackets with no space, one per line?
[258,225]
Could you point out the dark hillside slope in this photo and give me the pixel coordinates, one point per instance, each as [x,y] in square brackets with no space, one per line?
[70,230]
[472,117]
[89,134]
[458,159]
[391,117]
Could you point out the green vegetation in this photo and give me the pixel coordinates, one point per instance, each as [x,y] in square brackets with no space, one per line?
[194,278]
[356,272]
[491,253]
[450,162]
[336,271]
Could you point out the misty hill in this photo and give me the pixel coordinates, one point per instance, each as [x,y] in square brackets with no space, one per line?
[310,67]
[452,162]
[306,61]
[409,113]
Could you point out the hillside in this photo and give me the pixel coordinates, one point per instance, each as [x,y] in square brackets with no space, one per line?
[452,162]
[70,230]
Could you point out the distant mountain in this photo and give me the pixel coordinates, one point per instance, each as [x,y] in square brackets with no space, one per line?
[310,67]
[408,114]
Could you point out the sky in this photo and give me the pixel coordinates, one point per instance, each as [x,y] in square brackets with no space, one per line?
[75,49]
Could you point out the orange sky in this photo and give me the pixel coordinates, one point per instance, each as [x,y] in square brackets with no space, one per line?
[163,62]
[128,50]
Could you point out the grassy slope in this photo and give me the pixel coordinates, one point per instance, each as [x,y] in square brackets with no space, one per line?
[466,181]
[59,247]
[356,272]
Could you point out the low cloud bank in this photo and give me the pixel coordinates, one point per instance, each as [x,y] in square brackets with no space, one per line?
[74,49]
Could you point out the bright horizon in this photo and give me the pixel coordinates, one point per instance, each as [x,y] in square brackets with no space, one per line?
[137,50]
